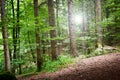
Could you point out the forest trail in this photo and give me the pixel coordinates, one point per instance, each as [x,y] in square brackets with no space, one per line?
[104,67]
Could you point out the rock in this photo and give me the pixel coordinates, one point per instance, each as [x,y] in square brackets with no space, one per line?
[7,76]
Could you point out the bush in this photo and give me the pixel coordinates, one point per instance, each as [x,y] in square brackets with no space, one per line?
[52,66]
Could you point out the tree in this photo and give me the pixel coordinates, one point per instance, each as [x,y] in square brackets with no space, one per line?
[112,16]
[18,34]
[14,36]
[39,55]
[73,49]
[57,24]
[5,36]
[52,32]
[99,25]
[84,28]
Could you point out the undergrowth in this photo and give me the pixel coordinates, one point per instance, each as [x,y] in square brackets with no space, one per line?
[63,61]
[52,66]
[49,65]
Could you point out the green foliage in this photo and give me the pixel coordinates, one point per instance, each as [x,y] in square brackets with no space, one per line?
[107,21]
[110,24]
[52,66]
[2,66]
[98,51]
[29,69]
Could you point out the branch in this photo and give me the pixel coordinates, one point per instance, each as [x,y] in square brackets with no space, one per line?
[42,3]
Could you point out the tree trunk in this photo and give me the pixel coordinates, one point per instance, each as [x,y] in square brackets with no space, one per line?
[73,49]
[18,34]
[95,41]
[59,46]
[39,56]
[52,32]
[83,29]
[99,26]
[14,37]
[5,36]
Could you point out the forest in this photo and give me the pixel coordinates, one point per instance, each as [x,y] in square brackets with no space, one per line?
[60,39]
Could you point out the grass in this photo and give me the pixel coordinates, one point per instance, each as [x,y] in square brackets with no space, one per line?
[62,62]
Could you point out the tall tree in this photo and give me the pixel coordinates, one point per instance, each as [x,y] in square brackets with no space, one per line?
[73,49]
[5,36]
[18,34]
[99,26]
[14,36]
[39,56]
[52,32]
[95,28]
[84,28]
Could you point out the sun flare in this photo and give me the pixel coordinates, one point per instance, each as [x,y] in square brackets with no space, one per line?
[78,19]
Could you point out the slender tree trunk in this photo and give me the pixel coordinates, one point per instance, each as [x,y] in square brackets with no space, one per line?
[73,49]
[87,27]
[39,55]
[99,25]
[5,36]
[57,17]
[18,34]
[52,32]
[58,27]
[95,24]
[14,37]
[83,29]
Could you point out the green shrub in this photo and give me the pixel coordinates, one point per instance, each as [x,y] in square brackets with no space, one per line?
[52,66]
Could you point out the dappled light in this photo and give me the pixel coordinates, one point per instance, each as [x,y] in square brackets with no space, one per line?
[60,39]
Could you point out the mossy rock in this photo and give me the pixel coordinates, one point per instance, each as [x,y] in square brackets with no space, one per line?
[7,76]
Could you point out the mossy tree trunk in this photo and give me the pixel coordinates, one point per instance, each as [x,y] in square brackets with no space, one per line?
[5,36]
[39,55]
[73,49]
[52,32]
[99,24]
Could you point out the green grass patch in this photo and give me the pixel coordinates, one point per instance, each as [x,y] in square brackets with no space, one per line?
[62,62]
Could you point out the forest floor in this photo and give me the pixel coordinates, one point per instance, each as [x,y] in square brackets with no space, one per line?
[104,67]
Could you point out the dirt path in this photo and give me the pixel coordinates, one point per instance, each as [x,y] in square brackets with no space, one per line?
[105,67]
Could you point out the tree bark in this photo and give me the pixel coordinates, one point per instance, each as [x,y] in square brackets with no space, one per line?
[95,41]
[58,27]
[52,32]
[5,36]
[18,34]
[39,57]
[14,36]
[84,44]
[99,26]
[73,49]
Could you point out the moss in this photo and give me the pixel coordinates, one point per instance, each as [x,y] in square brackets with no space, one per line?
[7,76]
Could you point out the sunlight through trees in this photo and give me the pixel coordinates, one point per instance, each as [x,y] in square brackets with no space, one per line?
[34,34]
